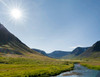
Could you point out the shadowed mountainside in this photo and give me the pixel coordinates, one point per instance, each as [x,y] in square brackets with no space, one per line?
[92,52]
[76,52]
[79,50]
[40,51]
[58,54]
[10,44]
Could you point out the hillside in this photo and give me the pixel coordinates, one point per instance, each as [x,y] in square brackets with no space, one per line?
[10,44]
[76,52]
[58,54]
[79,50]
[92,52]
[15,56]
[40,51]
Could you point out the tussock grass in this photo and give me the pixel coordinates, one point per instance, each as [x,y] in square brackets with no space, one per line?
[29,67]
[92,65]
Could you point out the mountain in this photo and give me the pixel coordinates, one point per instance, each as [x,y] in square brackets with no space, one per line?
[92,52]
[58,54]
[10,44]
[76,52]
[40,51]
[79,50]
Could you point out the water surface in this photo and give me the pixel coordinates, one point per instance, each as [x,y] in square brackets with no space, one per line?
[80,71]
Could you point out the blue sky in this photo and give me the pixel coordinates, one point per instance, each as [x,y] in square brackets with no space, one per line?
[53,24]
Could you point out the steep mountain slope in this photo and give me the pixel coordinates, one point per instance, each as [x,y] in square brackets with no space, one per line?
[10,44]
[92,52]
[40,51]
[79,50]
[76,52]
[58,54]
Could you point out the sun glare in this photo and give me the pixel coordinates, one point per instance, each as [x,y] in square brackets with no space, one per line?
[16,13]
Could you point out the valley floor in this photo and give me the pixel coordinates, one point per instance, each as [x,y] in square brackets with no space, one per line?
[27,67]
[89,63]
[39,66]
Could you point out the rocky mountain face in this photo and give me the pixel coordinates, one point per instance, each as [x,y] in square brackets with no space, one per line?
[11,44]
[58,54]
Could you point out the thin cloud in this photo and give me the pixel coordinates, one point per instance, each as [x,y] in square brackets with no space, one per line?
[73,47]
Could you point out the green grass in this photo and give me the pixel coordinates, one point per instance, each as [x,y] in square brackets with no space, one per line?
[29,67]
[91,65]
[32,70]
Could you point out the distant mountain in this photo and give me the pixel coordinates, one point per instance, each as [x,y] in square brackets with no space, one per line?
[76,52]
[40,51]
[10,44]
[58,54]
[79,50]
[92,52]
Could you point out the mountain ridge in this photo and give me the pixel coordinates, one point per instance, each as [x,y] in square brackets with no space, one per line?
[76,52]
[9,43]
[58,54]
[92,52]
[40,51]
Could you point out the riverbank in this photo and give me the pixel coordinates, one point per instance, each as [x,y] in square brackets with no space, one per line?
[91,65]
[80,71]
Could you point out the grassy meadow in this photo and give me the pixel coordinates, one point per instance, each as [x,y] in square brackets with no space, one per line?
[87,62]
[39,66]
[31,67]
[92,65]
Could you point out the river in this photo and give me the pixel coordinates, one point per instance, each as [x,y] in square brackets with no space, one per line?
[80,71]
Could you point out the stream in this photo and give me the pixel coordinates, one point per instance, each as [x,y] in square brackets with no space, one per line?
[80,71]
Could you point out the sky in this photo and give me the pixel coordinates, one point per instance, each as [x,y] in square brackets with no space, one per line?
[53,24]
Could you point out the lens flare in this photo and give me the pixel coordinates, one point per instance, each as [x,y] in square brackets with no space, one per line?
[16,13]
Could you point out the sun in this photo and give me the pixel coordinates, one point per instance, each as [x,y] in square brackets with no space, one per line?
[16,13]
